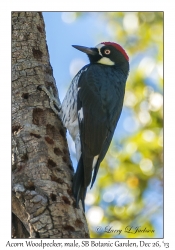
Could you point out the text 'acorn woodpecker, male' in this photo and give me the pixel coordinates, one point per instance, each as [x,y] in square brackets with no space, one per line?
[92,107]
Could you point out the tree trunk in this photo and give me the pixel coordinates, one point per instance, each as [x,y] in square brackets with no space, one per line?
[42,201]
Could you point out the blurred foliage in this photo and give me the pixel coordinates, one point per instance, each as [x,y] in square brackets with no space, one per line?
[128,190]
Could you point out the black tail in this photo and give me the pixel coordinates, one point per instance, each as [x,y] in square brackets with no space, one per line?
[79,189]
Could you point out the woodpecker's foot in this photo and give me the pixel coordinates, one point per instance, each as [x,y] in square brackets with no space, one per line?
[54,103]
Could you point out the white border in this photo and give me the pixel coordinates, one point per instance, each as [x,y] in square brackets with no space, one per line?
[5,96]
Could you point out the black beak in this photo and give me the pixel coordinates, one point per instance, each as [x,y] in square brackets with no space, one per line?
[89,51]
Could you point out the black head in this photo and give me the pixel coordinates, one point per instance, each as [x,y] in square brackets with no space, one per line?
[107,53]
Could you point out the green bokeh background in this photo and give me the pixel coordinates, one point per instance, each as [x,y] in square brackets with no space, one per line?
[128,192]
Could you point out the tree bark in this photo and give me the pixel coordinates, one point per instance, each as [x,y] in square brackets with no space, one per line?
[42,201]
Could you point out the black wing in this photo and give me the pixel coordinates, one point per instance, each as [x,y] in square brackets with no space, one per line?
[99,105]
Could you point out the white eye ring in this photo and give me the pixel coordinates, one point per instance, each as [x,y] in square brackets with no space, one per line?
[107,51]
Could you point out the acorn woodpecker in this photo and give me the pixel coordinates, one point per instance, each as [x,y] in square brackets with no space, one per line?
[92,107]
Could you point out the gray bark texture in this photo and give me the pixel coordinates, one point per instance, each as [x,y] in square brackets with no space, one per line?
[42,201]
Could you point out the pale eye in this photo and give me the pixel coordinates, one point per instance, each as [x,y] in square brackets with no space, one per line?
[107,51]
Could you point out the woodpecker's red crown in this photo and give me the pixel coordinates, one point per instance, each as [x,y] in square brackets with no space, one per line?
[118,47]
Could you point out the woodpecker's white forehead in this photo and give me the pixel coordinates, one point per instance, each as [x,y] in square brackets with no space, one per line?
[99,46]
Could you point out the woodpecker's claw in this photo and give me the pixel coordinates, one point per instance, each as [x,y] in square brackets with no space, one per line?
[54,103]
